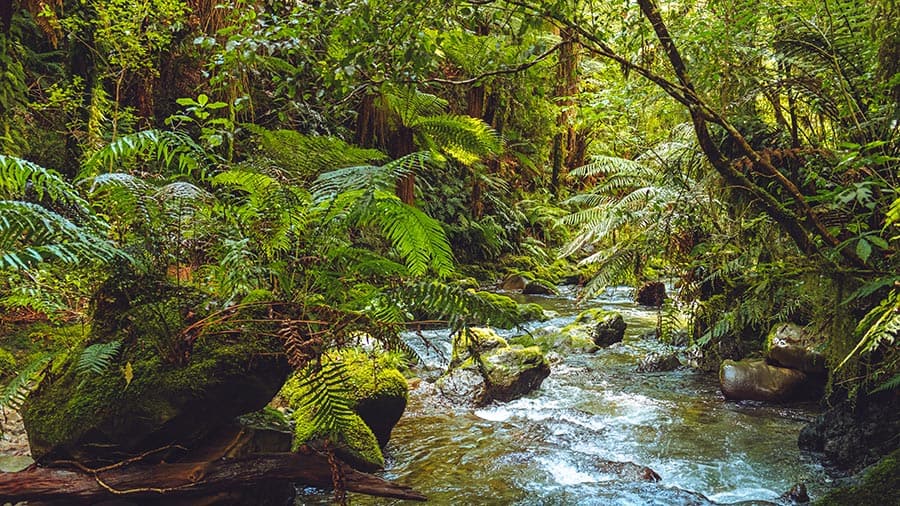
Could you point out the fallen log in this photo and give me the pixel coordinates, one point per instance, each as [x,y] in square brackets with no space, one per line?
[178,480]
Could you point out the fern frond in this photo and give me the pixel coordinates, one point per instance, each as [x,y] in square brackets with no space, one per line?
[464,138]
[325,393]
[97,358]
[19,177]
[30,234]
[168,148]
[368,177]
[16,391]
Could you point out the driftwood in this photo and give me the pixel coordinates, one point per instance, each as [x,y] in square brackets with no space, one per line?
[179,480]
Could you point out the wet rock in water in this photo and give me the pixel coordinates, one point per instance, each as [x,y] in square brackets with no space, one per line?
[514,282]
[485,368]
[537,287]
[626,471]
[376,393]
[555,340]
[756,380]
[797,494]
[172,394]
[651,294]
[659,362]
[852,435]
[610,329]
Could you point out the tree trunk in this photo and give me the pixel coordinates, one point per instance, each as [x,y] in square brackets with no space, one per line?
[142,481]
[400,144]
[564,142]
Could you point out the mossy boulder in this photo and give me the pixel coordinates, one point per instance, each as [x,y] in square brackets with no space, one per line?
[7,364]
[651,294]
[756,380]
[377,394]
[565,341]
[485,368]
[789,345]
[162,386]
[539,287]
[513,282]
[521,313]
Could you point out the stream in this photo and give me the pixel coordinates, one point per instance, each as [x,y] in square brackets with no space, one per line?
[549,448]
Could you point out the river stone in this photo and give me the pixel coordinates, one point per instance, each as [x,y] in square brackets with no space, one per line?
[486,368]
[790,345]
[377,393]
[610,329]
[651,294]
[854,434]
[514,282]
[759,381]
[172,397]
[536,287]
[659,362]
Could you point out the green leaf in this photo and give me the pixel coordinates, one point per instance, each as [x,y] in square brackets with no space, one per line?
[863,249]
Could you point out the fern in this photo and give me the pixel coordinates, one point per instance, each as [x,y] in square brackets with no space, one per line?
[97,358]
[169,148]
[31,234]
[368,177]
[325,393]
[16,391]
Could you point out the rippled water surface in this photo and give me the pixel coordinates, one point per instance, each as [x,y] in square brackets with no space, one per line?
[552,447]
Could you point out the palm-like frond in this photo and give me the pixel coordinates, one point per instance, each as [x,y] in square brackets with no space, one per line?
[16,391]
[410,104]
[458,306]
[368,177]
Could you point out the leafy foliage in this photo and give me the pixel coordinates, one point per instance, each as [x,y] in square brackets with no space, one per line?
[98,357]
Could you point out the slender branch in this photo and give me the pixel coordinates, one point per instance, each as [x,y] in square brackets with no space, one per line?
[505,70]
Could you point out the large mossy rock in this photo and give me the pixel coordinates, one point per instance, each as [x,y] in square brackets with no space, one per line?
[375,391]
[789,345]
[485,368]
[160,388]
[756,380]
[565,341]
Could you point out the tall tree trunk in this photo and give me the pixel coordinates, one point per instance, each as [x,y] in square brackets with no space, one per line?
[564,142]
[475,108]
[401,143]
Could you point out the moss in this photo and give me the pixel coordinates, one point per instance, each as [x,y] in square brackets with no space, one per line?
[7,363]
[482,339]
[353,438]
[878,486]
[564,341]
[523,312]
[531,312]
[593,315]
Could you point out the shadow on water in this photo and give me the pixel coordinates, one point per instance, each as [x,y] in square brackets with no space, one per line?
[554,445]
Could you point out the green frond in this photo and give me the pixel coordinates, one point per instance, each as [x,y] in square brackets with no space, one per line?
[16,391]
[168,148]
[97,358]
[324,391]
[605,165]
[302,157]
[458,306]
[418,238]
[31,234]
[409,104]
[368,177]
[19,177]
[463,138]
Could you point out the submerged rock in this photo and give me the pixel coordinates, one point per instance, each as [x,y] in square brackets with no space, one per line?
[373,389]
[537,287]
[651,294]
[756,380]
[514,282]
[659,362]
[157,389]
[486,368]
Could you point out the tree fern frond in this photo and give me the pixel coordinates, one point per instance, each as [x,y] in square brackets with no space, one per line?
[409,103]
[463,138]
[367,177]
[605,165]
[97,358]
[418,238]
[325,393]
[460,307]
[19,177]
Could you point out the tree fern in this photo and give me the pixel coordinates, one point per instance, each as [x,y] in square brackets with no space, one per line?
[368,177]
[463,138]
[325,394]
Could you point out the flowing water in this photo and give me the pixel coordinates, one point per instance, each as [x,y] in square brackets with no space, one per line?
[553,446]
